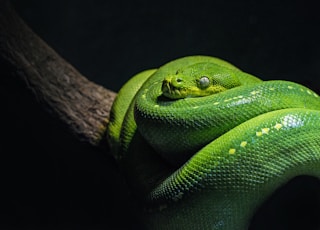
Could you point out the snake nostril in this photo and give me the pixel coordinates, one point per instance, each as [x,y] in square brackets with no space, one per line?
[177,82]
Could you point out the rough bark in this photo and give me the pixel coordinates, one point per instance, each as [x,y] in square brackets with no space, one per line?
[83,105]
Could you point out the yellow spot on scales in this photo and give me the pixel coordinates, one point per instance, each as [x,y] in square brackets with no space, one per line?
[232,151]
[259,134]
[265,130]
[290,87]
[254,92]
[278,126]
[143,96]
[216,103]
[156,106]
[243,144]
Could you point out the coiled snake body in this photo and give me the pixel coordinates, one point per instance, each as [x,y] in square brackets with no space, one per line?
[203,144]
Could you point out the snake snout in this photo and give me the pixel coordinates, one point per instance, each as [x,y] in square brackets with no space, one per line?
[173,82]
[177,82]
[173,87]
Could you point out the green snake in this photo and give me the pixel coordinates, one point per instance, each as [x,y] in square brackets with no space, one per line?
[203,143]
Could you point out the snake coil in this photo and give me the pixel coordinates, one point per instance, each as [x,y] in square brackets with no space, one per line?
[203,143]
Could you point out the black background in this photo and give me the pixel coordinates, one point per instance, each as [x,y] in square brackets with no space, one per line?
[51,180]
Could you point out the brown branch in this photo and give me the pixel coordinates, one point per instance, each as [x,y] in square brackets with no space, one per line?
[83,105]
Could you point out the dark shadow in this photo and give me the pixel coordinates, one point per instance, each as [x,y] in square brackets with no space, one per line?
[294,206]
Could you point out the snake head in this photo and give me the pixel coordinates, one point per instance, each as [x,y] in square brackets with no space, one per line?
[198,80]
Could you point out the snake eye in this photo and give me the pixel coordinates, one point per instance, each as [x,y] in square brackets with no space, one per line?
[204,82]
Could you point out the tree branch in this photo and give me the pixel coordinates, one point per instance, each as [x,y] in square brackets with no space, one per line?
[83,105]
